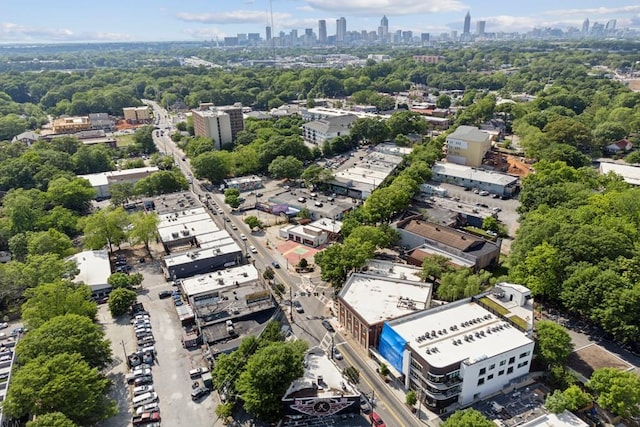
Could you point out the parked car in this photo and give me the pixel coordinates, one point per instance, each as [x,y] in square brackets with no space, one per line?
[145,418]
[199,393]
[327,325]
[143,380]
[142,389]
[484,193]
[376,420]
[233,227]
[146,341]
[275,264]
[149,407]
[243,237]
[298,307]
[253,249]
[197,372]
[164,294]
[4,325]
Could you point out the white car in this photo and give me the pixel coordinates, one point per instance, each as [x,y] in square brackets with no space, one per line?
[253,249]
[137,391]
[149,407]
[243,237]
[4,325]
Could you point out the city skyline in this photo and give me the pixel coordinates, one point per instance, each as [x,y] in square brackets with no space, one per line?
[164,20]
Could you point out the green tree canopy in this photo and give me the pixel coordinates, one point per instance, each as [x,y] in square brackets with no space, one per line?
[145,228]
[287,167]
[211,166]
[106,227]
[553,343]
[63,383]
[572,399]
[467,418]
[68,333]
[51,300]
[74,194]
[617,391]
[52,419]
[120,300]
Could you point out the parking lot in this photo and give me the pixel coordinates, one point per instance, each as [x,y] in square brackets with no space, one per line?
[516,407]
[171,379]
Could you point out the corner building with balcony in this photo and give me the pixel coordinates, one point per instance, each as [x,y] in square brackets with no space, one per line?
[456,353]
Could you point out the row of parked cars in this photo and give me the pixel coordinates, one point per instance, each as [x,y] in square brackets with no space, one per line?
[144,398]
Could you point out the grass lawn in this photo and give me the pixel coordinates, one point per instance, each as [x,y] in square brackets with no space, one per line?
[125,140]
[494,306]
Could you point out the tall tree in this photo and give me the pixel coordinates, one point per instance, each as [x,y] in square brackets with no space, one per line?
[268,374]
[121,193]
[120,300]
[210,166]
[52,419]
[50,300]
[68,333]
[553,344]
[467,418]
[106,227]
[145,228]
[63,383]
[285,167]
[144,139]
[617,391]
[74,194]
[49,242]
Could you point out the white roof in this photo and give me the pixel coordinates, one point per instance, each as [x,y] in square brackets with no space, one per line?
[467,172]
[103,178]
[318,364]
[563,419]
[394,270]
[630,174]
[389,148]
[377,299]
[243,179]
[95,268]
[328,225]
[191,228]
[206,283]
[453,315]
[225,246]
[184,215]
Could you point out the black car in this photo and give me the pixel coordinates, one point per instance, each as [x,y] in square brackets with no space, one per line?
[164,294]
[328,326]
[199,393]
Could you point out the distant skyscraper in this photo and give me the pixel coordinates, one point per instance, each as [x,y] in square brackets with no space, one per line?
[424,37]
[322,31]
[585,26]
[480,26]
[611,25]
[384,24]
[341,29]
[268,33]
[467,23]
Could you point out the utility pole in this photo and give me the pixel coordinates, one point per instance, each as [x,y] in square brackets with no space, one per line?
[125,352]
[291,303]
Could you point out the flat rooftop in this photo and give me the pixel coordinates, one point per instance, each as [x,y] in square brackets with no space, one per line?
[380,298]
[328,225]
[630,174]
[223,246]
[180,231]
[587,359]
[322,379]
[486,336]
[563,419]
[218,280]
[394,270]
[105,178]
[175,202]
[473,174]
[424,251]
[221,342]
[95,268]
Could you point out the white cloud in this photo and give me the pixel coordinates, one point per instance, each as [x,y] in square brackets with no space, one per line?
[234,17]
[586,12]
[10,32]
[386,7]
[204,33]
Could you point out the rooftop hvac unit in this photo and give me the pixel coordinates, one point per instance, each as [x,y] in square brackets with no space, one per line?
[455,342]
[428,351]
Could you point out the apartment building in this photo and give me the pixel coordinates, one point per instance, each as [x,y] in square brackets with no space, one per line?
[214,124]
[137,115]
[71,124]
[467,145]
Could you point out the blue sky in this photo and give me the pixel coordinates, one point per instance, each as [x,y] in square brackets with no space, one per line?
[166,20]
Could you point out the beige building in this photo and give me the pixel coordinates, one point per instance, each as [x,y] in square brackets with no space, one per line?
[213,124]
[71,124]
[236,117]
[137,114]
[467,145]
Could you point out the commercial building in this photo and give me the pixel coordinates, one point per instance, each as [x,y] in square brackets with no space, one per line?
[187,228]
[364,176]
[321,113]
[27,138]
[376,295]
[630,174]
[94,271]
[322,392]
[137,115]
[103,180]
[469,177]
[319,131]
[461,248]
[467,145]
[313,234]
[213,124]
[470,349]
[71,124]
[244,183]
[563,419]
[210,256]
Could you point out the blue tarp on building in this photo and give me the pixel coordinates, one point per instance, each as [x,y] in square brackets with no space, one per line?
[391,346]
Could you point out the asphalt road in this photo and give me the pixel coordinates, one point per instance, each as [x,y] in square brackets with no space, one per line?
[306,325]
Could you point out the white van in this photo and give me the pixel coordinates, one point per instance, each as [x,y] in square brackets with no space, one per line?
[144,399]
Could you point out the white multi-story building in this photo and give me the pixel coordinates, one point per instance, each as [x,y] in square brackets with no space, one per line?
[213,124]
[459,352]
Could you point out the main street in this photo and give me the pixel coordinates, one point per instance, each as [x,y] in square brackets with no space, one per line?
[388,397]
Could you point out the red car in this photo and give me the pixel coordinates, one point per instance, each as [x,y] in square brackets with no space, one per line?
[376,420]
[146,418]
